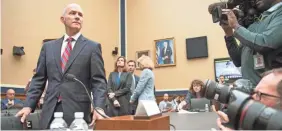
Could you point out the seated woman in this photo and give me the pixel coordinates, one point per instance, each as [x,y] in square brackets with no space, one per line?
[145,86]
[195,91]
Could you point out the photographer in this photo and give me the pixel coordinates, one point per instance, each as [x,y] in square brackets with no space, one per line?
[260,45]
[268,92]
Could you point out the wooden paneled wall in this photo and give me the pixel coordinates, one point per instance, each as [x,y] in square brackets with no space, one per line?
[22,97]
[19,96]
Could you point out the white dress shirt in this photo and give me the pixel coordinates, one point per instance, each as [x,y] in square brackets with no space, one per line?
[65,42]
[133,84]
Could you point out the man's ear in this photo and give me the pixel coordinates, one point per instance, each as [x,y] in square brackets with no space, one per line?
[62,19]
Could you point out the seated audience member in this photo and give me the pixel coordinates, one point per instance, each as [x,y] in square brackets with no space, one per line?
[268,92]
[182,103]
[27,85]
[11,101]
[175,102]
[145,87]
[40,103]
[165,105]
[195,91]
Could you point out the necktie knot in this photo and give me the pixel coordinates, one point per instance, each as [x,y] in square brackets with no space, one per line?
[70,39]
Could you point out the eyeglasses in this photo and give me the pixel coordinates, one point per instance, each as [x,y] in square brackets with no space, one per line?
[259,94]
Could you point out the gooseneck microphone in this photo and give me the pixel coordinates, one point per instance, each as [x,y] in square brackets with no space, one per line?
[73,78]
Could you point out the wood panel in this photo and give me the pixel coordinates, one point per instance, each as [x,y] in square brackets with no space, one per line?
[129,123]
[22,97]
[19,96]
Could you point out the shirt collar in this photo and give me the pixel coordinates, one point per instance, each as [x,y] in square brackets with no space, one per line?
[275,7]
[75,37]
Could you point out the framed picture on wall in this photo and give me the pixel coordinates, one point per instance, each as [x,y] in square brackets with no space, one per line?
[139,54]
[165,52]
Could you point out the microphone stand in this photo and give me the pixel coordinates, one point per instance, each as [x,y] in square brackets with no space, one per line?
[88,94]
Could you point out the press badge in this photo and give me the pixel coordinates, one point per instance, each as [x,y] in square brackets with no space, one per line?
[258,61]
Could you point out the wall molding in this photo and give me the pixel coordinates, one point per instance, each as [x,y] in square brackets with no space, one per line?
[20,90]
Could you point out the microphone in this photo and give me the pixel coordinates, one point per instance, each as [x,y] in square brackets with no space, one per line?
[72,77]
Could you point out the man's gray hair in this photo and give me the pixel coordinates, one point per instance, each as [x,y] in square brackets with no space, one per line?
[69,5]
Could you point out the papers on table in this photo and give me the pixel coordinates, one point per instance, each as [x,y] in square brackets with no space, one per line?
[186,112]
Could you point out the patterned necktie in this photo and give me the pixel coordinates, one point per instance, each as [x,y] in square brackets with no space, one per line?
[66,54]
[65,58]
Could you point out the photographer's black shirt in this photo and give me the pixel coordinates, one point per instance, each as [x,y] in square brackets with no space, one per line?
[262,37]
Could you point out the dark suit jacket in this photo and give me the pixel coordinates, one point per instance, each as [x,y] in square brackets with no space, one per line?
[135,104]
[122,93]
[168,53]
[4,103]
[85,62]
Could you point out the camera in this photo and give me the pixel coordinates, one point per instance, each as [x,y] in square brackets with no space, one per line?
[244,113]
[246,12]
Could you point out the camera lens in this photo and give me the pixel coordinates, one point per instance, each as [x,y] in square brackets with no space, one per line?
[256,116]
[218,92]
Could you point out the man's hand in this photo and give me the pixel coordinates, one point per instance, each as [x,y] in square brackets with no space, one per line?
[131,102]
[23,113]
[232,20]
[223,118]
[111,95]
[97,116]
[116,103]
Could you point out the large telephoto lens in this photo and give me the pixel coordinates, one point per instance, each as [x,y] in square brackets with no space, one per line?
[243,112]
[221,93]
[214,91]
[256,116]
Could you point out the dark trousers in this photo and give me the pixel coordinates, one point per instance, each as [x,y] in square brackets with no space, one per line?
[134,107]
[58,108]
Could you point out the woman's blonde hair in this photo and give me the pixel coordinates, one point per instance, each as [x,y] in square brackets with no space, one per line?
[146,62]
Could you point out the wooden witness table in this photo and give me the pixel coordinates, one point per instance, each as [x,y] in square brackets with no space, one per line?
[160,122]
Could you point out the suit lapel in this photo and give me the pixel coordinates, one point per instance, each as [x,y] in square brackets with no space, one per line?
[80,43]
[57,53]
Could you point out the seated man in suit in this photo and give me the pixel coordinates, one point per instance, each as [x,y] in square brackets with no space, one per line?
[10,100]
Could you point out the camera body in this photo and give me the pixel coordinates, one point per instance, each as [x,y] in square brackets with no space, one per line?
[246,13]
[244,113]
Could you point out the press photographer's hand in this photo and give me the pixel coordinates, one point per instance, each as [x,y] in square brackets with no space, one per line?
[223,118]
[232,19]
[227,29]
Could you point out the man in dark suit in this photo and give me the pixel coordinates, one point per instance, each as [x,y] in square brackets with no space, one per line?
[166,53]
[131,68]
[71,54]
[11,101]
